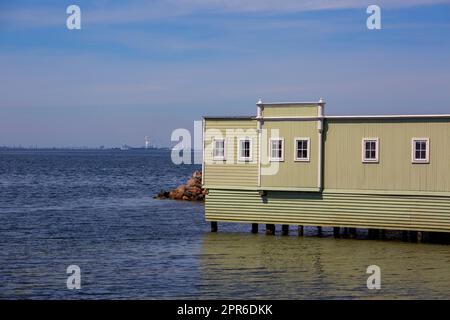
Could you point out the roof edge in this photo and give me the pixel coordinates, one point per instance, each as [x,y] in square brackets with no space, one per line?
[229,117]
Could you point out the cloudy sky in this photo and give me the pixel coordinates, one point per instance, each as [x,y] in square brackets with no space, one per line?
[141,68]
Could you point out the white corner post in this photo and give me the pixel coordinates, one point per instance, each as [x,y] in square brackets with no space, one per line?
[259,120]
[320,115]
[203,152]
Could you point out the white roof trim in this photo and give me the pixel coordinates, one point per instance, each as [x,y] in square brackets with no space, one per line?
[293,104]
[393,116]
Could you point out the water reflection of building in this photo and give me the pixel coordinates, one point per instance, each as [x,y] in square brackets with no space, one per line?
[242,265]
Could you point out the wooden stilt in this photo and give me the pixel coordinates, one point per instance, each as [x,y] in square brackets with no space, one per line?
[254,228]
[300,230]
[376,233]
[352,232]
[319,231]
[270,229]
[383,234]
[285,229]
[214,226]
[336,232]
[413,236]
[420,237]
[345,232]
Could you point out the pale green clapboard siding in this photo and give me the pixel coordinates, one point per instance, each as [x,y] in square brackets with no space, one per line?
[231,175]
[290,111]
[290,173]
[230,172]
[420,213]
[344,168]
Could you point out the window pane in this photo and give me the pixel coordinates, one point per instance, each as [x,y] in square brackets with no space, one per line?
[276,149]
[247,148]
[417,145]
[274,144]
[420,152]
[219,148]
[274,153]
[302,149]
[370,150]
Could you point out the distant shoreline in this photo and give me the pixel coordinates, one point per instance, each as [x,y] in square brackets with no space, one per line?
[89,149]
[76,149]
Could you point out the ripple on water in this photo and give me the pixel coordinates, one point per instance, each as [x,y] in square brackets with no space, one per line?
[94,209]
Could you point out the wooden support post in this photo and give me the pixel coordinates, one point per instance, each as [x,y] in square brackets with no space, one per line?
[285,229]
[376,233]
[213,226]
[336,232]
[254,228]
[300,230]
[413,236]
[383,234]
[319,231]
[420,237]
[352,232]
[270,229]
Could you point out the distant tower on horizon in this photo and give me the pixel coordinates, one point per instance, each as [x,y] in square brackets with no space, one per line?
[147,142]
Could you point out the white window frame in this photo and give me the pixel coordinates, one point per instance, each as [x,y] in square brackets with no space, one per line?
[377,150]
[282,150]
[413,150]
[245,159]
[219,158]
[308,150]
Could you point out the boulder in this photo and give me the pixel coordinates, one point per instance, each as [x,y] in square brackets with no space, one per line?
[191,191]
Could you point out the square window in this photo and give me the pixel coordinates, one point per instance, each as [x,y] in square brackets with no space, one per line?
[245,150]
[276,149]
[302,149]
[219,149]
[420,150]
[370,150]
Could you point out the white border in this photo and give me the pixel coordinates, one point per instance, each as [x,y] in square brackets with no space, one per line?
[413,151]
[282,149]
[224,149]
[377,150]
[243,159]
[308,149]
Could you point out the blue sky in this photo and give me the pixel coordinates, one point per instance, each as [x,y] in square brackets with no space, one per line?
[141,68]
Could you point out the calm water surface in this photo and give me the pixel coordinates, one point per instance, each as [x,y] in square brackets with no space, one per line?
[95,209]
